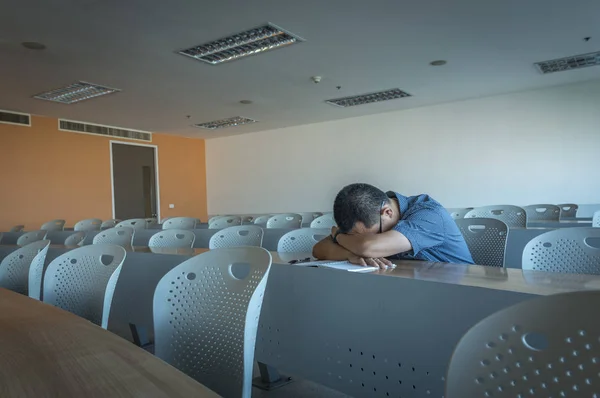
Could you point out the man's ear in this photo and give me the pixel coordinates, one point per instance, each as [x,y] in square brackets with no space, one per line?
[387,211]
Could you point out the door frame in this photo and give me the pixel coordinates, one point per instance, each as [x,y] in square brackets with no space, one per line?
[112,178]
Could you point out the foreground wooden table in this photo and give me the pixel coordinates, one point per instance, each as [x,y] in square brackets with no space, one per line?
[47,352]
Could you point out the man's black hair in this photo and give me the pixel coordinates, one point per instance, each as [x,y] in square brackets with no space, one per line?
[358,202]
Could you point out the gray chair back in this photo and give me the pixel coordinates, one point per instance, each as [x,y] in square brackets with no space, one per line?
[17,228]
[135,223]
[262,220]
[568,210]
[247,219]
[54,225]
[91,224]
[513,216]
[309,216]
[288,220]
[75,239]
[596,219]
[120,236]
[151,222]
[82,281]
[542,212]
[224,222]
[206,313]
[14,268]
[180,223]
[542,347]
[36,271]
[110,223]
[241,235]
[486,239]
[458,213]
[301,240]
[176,238]
[32,236]
[566,250]
[324,221]
[213,218]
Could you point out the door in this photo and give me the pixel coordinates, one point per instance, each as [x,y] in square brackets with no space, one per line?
[134,181]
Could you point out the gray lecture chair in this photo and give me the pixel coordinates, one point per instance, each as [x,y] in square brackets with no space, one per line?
[176,238]
[214,218]
[15,267]
[54,225]
[288,220]
[301,240]
[82,281]
[486,239]
[110,223]
[542,212]
[75,239]
[262,220]
[513,216]
[241,235]
[206,314]
[151,222]
[566,250]
[17,228]
[325,221]
[135,223]
[91,224]
[308,216]
[180,223]
[32,236]
[596,219]
[247,220]
[542,347]
[224,222]
[122,236]
[165,219]
[568,210]
[459,213]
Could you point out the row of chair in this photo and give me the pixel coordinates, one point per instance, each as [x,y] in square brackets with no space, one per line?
[515,216]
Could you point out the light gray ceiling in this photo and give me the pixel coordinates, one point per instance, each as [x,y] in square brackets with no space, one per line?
[360,45]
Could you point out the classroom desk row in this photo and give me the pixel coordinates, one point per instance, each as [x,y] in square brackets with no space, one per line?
[366,335]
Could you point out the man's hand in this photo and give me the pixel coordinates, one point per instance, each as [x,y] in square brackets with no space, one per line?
[382,263]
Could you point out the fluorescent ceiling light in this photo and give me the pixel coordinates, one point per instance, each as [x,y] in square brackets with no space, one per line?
[76,92]
[568,63]
[225,123]
[243,44]
[363,99]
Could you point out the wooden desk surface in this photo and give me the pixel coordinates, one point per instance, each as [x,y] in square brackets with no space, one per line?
[48,352]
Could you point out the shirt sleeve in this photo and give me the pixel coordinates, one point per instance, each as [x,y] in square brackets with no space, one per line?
[424,229]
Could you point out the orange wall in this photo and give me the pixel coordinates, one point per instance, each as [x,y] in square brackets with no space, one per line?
[46,174]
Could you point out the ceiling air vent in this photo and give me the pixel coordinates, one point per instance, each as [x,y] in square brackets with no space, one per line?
[364,99]
[88,128]
[568,63]
[225,123]
[21,119]
[243,44]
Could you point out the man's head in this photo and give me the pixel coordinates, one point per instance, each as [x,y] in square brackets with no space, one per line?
[362,208]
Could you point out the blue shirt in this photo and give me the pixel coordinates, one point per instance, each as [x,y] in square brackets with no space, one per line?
[432,232]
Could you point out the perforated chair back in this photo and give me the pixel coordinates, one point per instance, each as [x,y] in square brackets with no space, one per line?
[213,218]
[568,210]
[54,225]
[289,220]
[17,228]
[308,216]
[242,235]
[246,220]
[110,223]
[224,222]
[542,212]
[75,239]
[176,238]
[165,219]
[14,268]
[566,250]
[206,314]
[542,347]
[301,240]
[513,216]
[135,223]
[83,280]
[325,221]
[596,219]
[180,223]
[91,224]
[262,220]
[32,236]
[122,236]
[459,213]
[151,222]
[486,239]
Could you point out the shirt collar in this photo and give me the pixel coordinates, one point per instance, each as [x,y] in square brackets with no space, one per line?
[402,201]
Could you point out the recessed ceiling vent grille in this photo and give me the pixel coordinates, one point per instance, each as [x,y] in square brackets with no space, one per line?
[364,99]
[21,119]
[568,63]
[88,128]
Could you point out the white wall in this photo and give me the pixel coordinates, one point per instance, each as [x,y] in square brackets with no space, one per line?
[539,146]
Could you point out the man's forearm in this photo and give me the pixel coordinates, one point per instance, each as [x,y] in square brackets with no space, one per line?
[328,250]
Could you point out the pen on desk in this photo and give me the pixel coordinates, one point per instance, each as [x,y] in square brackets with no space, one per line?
[305,260]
